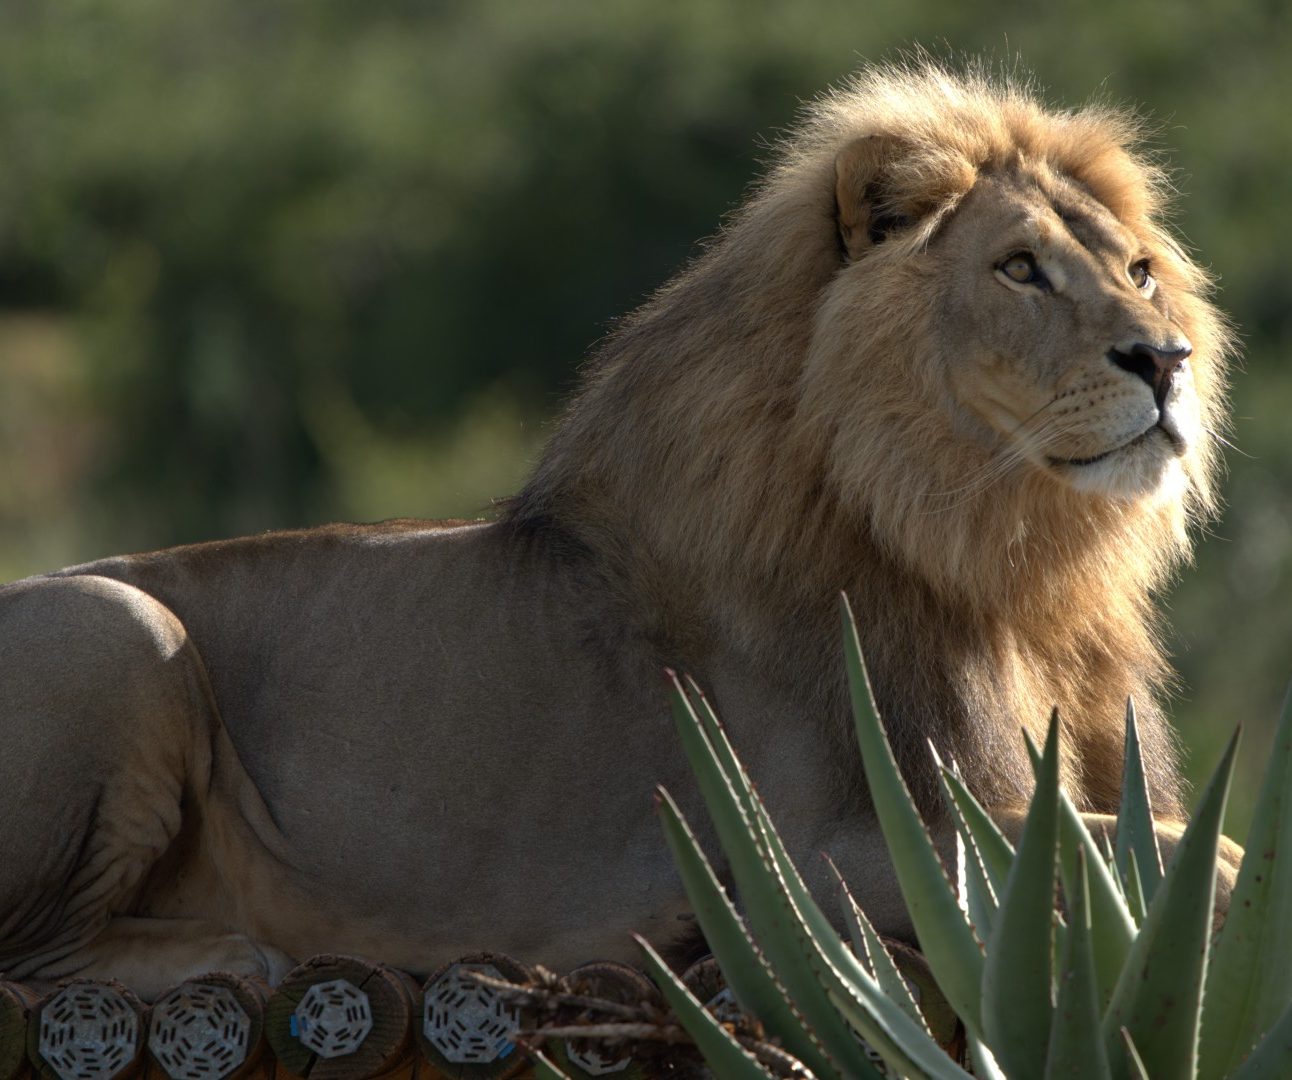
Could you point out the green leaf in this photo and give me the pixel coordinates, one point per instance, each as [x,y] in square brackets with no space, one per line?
[545,1070]
[903,1043]
[976,825]
[760,820]
[905,1047]
[752,982]
[1250,980]
[1135,832]
[773,920]
[1158,998]
[1135,889]
[1110,856]
[1076,1042]
[868,945]
[1112,928]
[1135,1063]
[725,1056]
[753,806]
[1269,1061]
[945,937]
[852,916]
[980,903]
[984,1065]
[1016,990]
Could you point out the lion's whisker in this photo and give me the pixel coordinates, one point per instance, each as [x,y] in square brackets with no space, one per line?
[1046,434]
[1225,442]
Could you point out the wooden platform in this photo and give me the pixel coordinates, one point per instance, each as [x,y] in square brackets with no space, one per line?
[345,1018]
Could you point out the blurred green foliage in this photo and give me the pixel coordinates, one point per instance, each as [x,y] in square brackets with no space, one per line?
[269,262]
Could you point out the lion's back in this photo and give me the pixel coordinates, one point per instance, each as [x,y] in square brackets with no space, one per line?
[414,660]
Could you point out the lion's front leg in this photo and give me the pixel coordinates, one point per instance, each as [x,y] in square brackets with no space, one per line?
[1169,832]
[1229,857]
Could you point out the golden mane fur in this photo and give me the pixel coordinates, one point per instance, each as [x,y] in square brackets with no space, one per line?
[736,484]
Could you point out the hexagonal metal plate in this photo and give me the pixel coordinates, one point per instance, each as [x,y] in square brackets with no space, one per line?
[723,1007]
[199,1032]
[467,1022]
[333,1018]
[593,1060]
[88,1032]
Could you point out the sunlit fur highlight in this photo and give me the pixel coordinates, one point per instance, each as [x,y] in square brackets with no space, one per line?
[730,482]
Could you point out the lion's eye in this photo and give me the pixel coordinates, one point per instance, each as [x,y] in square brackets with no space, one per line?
[1021,267]
[1139,275]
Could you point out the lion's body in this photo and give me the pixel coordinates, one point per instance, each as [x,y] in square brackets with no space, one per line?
[407,774]
[413,741]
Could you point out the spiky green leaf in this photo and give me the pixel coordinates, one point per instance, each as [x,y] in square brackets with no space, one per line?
[852,915]
[1076,1042]
[995,852]
[984,1065]
[1103,835]
[1135,832]
[1134,1062]
[1158,997]
[1113,929]
[945,936]
[772,918]
[1269,1061]
[902,1042]
[725,1056]
[1135,890]
[1251,973]
[979,899]
[870,949]
[904,1046]
[1016,1004]
[752,982]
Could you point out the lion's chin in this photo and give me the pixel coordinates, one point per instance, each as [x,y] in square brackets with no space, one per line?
[1148,467]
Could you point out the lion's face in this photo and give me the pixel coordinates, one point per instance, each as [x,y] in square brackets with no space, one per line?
[1057,334]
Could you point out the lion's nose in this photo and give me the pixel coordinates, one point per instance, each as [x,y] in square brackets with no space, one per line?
[1155,364]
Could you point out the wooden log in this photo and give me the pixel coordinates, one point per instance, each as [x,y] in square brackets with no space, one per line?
[86,1029]
[341,1018]
[466,1031]
[211,1027]
[586,1058]
[16,1002]
[705,980]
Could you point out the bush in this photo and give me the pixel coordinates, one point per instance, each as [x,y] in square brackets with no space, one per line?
[1123,979]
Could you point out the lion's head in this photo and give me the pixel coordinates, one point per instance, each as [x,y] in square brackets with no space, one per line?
[947,357]
[1053,336]
[1028,330]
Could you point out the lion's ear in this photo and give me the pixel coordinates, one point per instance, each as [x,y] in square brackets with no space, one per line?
[867,209]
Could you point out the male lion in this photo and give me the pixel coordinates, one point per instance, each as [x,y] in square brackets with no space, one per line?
[946,358]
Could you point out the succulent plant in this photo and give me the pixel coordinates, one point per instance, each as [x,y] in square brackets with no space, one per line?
[1122,979]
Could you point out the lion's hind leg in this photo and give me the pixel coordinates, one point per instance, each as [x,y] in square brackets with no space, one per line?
[106,733]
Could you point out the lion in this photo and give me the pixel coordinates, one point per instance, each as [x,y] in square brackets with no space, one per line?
[945,358]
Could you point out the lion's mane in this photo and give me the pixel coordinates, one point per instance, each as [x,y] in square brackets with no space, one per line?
[725,487]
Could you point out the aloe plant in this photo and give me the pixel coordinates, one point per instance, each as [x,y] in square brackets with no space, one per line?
[1122,980]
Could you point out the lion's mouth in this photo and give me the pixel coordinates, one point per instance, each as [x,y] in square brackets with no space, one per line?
[1095,459]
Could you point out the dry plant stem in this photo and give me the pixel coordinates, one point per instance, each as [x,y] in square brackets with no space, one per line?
[632,1028]
[552,998]
[776,1059]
